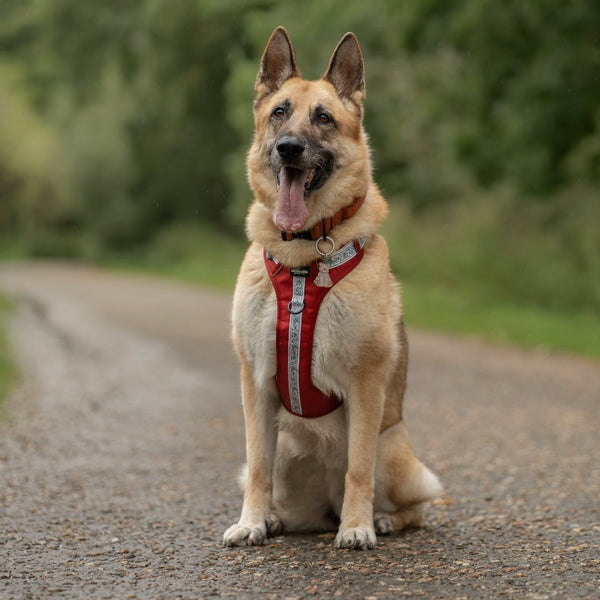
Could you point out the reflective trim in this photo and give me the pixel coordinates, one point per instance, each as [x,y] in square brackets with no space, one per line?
[344,254]
[295,308]
[294,345]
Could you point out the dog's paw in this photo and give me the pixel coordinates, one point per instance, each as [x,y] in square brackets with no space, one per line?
[274,525]
[238,535]
[383,525]
[356,538]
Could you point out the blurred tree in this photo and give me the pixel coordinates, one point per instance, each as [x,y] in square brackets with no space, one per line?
[134,91]
[530,80]
[117,118]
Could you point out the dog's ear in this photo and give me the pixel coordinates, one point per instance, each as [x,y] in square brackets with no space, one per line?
[346,70]
[278,64]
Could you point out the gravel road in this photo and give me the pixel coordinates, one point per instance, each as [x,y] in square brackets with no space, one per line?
[118,458]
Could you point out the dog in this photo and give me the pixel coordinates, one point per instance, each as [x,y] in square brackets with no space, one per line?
[317,319]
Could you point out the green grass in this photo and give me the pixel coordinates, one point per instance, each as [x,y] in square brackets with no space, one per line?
[193,254]
[8,370]
[206,257]
[526,326]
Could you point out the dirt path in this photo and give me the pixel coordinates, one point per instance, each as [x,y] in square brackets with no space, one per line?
[118,459]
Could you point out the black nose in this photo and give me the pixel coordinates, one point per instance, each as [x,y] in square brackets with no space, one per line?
[290,147]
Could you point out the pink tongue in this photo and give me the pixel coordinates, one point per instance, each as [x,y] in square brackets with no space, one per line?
[291,210]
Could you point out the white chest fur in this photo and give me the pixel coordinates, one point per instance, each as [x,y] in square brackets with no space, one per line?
[347,324]
[336,336]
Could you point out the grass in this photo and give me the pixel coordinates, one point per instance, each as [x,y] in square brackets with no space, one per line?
[204,256]
[198,255]
[526,326]
[207,257]
[8,370]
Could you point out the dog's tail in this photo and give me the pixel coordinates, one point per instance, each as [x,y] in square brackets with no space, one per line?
[429,487]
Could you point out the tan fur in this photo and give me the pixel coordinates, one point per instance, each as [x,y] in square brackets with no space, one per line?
[355,464]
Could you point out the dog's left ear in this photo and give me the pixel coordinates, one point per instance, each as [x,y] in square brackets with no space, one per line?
[346,71]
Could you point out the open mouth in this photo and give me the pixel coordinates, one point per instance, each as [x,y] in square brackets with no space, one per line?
[311,178]
[294,187]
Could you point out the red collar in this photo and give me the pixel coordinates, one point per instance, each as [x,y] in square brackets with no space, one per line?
[322,228]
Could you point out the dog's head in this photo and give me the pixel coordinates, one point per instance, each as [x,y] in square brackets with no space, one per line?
[309,156]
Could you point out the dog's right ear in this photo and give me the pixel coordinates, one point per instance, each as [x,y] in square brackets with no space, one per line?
[278,64]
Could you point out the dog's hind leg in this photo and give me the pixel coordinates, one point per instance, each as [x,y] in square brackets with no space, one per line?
[403,484]
[274,525]
[386,523]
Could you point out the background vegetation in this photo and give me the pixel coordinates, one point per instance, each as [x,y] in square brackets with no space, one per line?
[124,125]
[8,368]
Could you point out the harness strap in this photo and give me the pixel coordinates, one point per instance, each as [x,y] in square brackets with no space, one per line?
[298,302]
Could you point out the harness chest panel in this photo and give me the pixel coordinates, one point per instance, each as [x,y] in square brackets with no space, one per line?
[298,302]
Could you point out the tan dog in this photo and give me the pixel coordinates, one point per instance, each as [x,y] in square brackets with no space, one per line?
[315,202]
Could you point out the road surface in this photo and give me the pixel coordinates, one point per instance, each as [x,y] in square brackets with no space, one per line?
[119,453]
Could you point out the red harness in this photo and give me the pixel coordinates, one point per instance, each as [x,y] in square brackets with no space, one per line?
[298,302]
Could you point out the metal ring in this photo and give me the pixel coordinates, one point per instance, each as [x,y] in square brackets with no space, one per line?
[295,308]
[319,251]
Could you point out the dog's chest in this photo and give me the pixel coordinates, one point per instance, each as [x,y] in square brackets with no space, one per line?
[320,334]
[334,341]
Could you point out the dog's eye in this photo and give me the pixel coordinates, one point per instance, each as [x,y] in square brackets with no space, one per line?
[279,113]
[324,118]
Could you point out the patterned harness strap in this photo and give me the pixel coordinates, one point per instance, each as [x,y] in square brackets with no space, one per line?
[298,302]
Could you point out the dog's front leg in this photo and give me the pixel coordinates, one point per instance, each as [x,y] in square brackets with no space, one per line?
[261,438]
[364,410]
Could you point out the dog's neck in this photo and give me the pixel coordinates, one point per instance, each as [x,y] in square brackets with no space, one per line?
[324,226]
[363,223]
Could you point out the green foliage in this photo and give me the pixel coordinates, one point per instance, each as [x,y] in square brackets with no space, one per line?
[211,258]
[527,326]
[188,252]
[491,249]
[8,370]
[132,95]
[118,119]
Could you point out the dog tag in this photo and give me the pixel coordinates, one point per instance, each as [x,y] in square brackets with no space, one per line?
[323,279]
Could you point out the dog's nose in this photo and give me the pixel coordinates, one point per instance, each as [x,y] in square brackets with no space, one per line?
[290,147]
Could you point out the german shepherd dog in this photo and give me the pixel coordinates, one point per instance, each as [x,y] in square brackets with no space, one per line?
[342,460]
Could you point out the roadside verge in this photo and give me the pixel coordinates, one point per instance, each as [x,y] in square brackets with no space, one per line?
[8,369]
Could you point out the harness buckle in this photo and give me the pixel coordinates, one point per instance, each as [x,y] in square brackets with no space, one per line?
[295,308]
